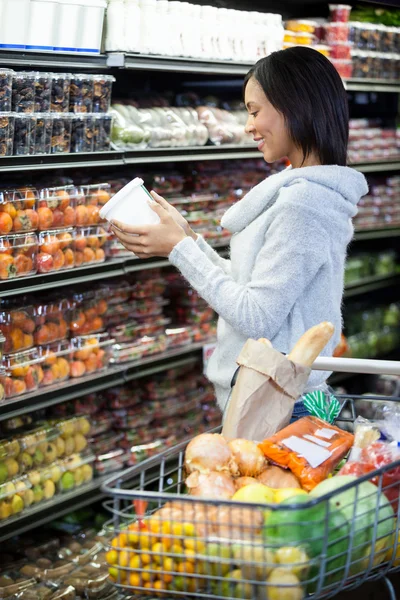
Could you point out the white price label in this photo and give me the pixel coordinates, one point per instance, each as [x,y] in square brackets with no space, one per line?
[208,350]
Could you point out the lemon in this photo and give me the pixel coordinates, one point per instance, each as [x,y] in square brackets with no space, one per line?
[256,493]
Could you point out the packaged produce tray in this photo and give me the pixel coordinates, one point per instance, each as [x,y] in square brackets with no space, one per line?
[334,539]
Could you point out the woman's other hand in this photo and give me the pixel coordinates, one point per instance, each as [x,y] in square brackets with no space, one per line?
[146,241]
[175,214]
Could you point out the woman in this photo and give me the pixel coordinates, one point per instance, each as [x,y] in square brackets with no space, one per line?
[290,232]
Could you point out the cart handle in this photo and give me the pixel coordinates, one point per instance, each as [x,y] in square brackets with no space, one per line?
[357,365]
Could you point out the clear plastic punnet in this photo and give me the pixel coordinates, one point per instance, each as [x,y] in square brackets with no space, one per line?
[18,255]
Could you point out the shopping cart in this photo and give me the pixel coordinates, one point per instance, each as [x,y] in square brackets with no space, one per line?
[174,545]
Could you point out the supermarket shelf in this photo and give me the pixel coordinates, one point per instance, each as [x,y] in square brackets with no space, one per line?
[57,507]
[165,155]
[61,161]
[376,234]
[371,284]
[377,166]
[113,376]
[176,64]
[52,60]
[371,85]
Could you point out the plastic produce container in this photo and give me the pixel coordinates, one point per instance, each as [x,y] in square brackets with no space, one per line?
[6,81]
[24,134]
[90,199]
[92,30]
[61,135]
[56,208]
[56,250]
[18,210]
[81,93]
[82,132]
[90,354]
[145,346]
[14,497]
[132,331]
[60,87]
[44,132]
[340,12]
[87,313]
[337,32]
[102,133]
[89,242]
[102,93]
[130,205]
[18,325]
[52,321]
[23,372]
[110,461]
[77,470]
[143,309]
[340,51]
[42,20]
[18,255]
[7,122]
[55,363]
[178,336]
[23,92]
[148,288]
[301,25]
[43,82]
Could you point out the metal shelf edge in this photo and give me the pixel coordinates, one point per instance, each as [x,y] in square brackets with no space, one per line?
[371,284]
[376,234]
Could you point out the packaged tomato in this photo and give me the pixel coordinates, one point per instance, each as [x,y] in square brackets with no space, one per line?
[23,373]
[18,210]
[310,447]
[55,362]
[18,255]
[56,250]
[87,314]
[89,242]
[52,321]
[18,325]
[90,199]
[90,353]
[56,208]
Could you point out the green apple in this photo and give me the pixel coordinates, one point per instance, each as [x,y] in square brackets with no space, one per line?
[37,493]
[219,559]
[38,457]
[25,461]
[3,473]
[67,481]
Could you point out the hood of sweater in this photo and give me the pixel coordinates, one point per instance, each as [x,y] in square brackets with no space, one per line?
[332,191]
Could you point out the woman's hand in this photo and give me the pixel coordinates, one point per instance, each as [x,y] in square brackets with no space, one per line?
[150,240]
[175,214]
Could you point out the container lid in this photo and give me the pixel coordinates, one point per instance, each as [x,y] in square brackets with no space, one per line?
[137,182]
[104,77]
[95,3]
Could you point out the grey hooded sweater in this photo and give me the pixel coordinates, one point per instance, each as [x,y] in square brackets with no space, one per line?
[286,267]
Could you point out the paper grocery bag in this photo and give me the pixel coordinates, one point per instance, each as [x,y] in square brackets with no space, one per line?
[262,400]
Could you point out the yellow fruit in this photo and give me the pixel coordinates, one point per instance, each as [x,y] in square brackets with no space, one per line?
[190,555]
[145,541]
[133,534]
[29,497]
[282,494]
[135,562]
[255,493]
[389,553]
[120,541]
[146,576]
[145,558]
[294,559]
[12,467]
[112,557]
[186,567]
[194,544]
[155,525]
[168,565]
[282,577]
[117,575]
[158,549]
[176,549]
[123,558]
[134,580]
[159,585]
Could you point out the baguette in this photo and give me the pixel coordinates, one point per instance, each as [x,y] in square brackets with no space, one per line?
[265,342]
[309,346]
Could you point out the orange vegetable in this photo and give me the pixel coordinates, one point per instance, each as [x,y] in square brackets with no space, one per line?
[306,442]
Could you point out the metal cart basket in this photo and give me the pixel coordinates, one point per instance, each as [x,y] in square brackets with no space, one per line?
[167,543]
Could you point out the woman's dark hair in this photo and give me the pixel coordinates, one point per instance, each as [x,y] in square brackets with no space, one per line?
[305,87]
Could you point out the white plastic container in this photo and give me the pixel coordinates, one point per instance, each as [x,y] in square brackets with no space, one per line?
[69,21]
[130,205]
[91,31]
[117,26]
[14,24]
[42,25]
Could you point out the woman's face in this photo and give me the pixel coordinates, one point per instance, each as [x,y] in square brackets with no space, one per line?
[266,124]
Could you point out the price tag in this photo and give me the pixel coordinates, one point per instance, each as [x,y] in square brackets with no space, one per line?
[208,350]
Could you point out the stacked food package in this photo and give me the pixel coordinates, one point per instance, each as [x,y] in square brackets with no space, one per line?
[54,113]
[372,331]
[381,206]
[43,461]
[369,141]
[237,529]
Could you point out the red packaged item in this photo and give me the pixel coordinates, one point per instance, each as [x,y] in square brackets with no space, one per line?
[87,315]
[340,51]
[56,250]
[51,321]
[56,208]
[340,12]
[90,354]
[310,447]
[337,32]
[18,255]
[18,211]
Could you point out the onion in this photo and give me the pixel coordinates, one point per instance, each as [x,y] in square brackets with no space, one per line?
[276,477]
[208,452]
[201,515]
[248,457]
[242,481]
[238,523]
[213,485]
